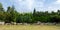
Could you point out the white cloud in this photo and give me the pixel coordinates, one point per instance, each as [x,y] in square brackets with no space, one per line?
[57,2]
[29,3]
[50,8]
[54,6]
[19,0]
[39,5]
[25,3]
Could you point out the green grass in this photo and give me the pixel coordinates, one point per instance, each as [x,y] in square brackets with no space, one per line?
[29,27]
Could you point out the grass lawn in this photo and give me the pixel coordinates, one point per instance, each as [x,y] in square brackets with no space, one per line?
[29,27]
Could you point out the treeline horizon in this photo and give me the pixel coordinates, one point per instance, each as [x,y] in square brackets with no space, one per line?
[11,15]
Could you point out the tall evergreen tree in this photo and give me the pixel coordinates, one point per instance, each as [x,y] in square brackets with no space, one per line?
[34,12]
[1,7]
[58,12]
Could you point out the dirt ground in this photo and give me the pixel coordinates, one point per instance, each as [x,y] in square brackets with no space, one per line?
[29,27]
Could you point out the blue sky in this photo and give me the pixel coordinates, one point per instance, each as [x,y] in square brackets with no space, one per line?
[29,5]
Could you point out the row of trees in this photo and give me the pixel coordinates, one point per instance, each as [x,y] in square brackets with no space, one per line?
[11,15]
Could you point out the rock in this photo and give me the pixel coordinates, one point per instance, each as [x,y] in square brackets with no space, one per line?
[38,23]
[1,23]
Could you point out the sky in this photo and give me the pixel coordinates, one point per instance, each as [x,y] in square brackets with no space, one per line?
[29,5]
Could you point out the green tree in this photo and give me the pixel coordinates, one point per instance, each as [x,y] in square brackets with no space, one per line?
[2,16]
[8,15]
[58,12]
[34,16]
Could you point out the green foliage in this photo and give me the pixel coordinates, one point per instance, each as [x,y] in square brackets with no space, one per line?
[11,15]
[26,18]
